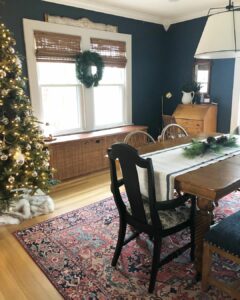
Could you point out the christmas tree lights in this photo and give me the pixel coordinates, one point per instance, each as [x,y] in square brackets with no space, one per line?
[24,158]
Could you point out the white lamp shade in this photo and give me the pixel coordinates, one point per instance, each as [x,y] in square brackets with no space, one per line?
[221,36]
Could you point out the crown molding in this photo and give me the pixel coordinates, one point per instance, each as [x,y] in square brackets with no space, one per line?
[188,17]
[116,11]
[132,14]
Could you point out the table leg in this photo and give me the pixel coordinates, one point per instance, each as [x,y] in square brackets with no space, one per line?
[202,224]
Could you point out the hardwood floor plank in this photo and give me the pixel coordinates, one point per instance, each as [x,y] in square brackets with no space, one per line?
[20,277]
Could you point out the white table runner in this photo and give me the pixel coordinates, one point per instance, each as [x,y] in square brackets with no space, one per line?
[169,163]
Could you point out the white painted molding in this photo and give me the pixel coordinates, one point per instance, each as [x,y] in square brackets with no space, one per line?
[132,14]
[189,17]
[235,97]
[116,11]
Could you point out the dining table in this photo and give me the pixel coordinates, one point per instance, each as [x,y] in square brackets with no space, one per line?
[209,183]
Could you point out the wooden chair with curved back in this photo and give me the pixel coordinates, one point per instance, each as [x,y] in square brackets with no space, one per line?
[168,119]
[172,131]
[138,138]
[157,219]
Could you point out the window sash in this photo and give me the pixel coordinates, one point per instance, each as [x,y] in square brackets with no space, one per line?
[79,107]
[123,100]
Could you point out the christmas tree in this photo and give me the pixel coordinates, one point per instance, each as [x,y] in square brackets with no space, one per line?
[24,158]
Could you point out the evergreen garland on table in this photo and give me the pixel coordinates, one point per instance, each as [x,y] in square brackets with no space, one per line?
[84,62]
[24,158]
[212,144]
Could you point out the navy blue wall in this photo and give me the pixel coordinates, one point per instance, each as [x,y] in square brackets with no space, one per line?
[182,41]
[161,61]
[148,51]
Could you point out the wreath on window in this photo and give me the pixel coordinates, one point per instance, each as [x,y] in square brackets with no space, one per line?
[84,63]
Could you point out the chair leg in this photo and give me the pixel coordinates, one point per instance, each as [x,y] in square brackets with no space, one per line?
[192,229]
[157,243]
[192,250]
[120,242]
[206,269]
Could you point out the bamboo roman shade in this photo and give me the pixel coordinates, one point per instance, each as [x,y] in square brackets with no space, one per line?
[113,52]
[56,47]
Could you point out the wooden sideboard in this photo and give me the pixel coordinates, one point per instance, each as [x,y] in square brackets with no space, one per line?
[84,153]
[197,118]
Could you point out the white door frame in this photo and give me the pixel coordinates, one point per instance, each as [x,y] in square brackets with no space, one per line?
[235,115]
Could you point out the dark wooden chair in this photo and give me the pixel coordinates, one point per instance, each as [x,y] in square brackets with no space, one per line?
[223,239]
[157,219]
[172,131]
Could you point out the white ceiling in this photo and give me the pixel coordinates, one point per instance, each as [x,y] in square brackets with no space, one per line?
[164,12]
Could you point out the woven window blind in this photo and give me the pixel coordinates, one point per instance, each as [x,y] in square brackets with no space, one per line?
[56,47]
[113,52]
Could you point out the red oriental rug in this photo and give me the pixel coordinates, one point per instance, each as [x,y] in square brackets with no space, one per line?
[75,250]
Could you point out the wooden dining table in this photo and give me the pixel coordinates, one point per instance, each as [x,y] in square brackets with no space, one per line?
[209,183]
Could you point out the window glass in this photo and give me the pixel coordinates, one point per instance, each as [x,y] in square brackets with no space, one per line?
[113,75]
[202,77]
[56,73]
[61,107]
[202,69]
[60,96]
[108,105]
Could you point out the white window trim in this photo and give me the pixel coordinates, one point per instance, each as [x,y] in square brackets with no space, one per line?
[32,25]
[235,115]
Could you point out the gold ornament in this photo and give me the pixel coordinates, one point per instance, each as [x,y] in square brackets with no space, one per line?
[34,174]
[11,179]
[11,50]
[17,119]
[4,157]
[38,146]
[19,157]
[2,74]
[4,92]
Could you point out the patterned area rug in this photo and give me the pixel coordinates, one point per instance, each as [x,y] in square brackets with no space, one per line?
[75,250]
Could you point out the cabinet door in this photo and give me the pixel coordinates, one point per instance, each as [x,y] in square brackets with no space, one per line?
[93,152]
[65,158]
[77,158]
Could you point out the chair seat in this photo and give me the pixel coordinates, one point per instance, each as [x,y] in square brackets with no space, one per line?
[169,218]
[226,234]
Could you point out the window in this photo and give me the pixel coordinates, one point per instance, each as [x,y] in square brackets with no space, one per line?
[109,98]
[58,98]
[109,95]
[202,70]
[61,96]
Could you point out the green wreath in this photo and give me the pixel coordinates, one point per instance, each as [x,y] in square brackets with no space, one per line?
[84,62]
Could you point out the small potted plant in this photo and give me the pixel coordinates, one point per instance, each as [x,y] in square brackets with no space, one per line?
[189,90]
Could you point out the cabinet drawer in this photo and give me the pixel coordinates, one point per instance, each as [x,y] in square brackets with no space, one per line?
[188,124]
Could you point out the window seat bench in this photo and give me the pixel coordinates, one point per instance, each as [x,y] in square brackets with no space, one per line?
[84,153]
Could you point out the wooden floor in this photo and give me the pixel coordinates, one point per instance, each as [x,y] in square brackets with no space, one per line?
[20,278]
